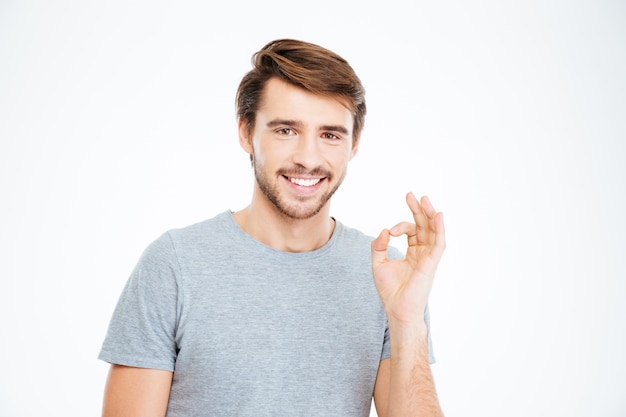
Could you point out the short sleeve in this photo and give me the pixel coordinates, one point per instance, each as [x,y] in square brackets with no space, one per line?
[142,330]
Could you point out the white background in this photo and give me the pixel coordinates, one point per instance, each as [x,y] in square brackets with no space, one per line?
[117,123]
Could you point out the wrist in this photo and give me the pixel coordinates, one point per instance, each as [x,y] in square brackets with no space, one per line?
[408,335]
[413,321]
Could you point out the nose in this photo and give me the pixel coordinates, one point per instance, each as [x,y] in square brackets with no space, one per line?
[308,152]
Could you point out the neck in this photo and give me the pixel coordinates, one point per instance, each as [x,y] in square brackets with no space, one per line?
[263,222]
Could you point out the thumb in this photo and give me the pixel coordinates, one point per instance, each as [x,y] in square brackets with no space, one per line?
[379,248]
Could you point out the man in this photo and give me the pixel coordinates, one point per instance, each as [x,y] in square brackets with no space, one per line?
[279,309]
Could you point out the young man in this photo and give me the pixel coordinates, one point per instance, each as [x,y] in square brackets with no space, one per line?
[279,309]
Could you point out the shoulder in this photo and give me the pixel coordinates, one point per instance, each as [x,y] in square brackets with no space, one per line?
[198,231]
[351,235]
[173,242]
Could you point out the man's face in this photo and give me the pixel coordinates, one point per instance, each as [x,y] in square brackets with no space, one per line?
[301,146]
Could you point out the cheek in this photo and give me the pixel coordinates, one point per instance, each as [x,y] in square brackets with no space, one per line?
[264,154]
[344,157]
[276,149]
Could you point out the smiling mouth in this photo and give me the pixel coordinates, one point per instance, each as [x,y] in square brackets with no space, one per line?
[305,182]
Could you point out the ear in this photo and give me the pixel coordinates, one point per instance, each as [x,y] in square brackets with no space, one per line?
[244,141]
[355,147]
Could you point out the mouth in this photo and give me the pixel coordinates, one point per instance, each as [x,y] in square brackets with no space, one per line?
[304,182]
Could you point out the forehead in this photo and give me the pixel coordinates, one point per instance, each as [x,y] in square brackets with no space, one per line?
[285,101]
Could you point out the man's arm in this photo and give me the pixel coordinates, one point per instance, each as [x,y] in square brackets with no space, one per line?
[405,386]
[136,392]
[381,388]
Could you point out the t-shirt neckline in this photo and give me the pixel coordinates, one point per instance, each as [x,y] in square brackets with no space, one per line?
[247,239]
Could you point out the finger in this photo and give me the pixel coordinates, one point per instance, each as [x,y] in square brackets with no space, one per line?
[427,207]
[405,228]
[414,205]
[417,210]
[423,225]
[431,215]
[402,228]
[436,220]
[379,248]
[440,243]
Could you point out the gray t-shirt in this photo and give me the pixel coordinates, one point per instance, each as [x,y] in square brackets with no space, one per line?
[252,331]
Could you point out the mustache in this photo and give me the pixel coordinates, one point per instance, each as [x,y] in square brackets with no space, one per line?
[299,170]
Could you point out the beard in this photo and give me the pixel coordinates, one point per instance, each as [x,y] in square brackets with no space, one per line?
[306,207]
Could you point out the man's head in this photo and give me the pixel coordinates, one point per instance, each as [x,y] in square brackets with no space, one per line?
[303,65]
[301,111]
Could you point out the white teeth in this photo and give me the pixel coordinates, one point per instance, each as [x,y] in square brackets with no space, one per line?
[305,182]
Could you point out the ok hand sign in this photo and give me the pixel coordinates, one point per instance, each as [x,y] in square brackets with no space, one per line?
[404,285]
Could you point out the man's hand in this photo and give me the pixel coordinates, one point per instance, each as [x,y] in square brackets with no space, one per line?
[404,285]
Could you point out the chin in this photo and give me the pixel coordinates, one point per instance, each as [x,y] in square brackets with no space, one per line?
[298,212]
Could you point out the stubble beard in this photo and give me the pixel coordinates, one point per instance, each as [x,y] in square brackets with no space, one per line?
[295,211]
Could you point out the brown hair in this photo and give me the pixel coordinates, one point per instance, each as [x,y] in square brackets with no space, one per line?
[304,65]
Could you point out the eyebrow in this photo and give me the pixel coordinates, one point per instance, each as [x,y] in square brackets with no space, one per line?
[297,123]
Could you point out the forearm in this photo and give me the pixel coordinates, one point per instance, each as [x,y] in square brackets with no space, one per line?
[412,388]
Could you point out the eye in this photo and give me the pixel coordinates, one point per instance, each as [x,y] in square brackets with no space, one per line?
[330,136]
[285,131]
